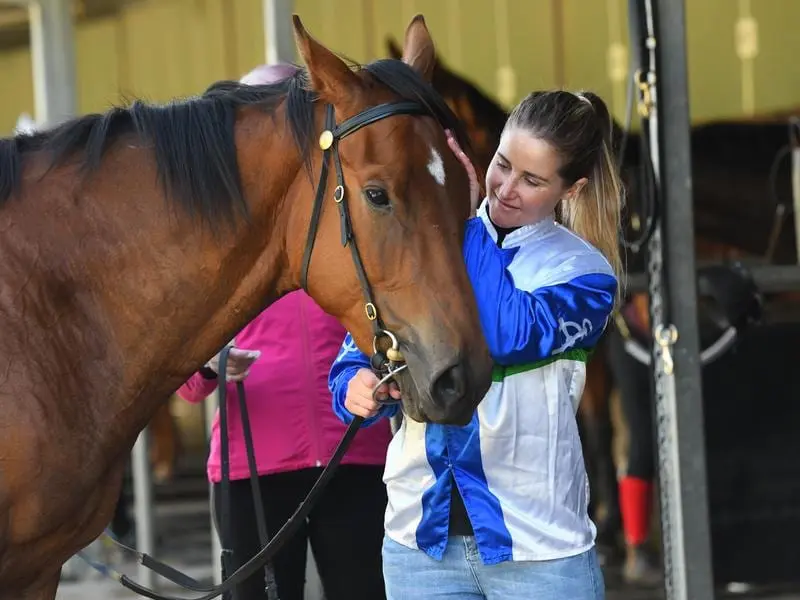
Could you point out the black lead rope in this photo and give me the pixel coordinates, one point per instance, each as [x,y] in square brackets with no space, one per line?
[271,587]
[269,547]
[263,556]
[226,529]
[226,523]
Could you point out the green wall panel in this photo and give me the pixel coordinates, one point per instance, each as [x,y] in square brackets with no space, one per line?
[777,66]
[714,69]
[17,96]
[160,49]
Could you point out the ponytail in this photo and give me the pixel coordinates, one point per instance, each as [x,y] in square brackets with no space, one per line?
[594,213]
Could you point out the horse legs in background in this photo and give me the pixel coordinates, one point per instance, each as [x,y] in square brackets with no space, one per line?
[637,481]
[164,444]
[594,421]
[122,524]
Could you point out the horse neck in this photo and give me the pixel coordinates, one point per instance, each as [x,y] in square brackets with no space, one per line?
[127,296]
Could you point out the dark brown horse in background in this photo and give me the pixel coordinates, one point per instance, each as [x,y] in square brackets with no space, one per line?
[742,200]
[136,243]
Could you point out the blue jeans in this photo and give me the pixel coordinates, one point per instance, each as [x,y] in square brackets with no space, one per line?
[413,575]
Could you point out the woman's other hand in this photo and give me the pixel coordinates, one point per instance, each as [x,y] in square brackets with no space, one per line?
[239,363]
[474,184]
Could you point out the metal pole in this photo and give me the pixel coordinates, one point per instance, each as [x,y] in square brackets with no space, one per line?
[53,55]
[677,373]
[143,504]
[278,31]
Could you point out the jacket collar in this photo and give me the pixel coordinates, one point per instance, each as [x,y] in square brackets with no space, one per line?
[519,236]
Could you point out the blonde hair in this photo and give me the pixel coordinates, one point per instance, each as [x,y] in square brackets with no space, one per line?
[579,127]
[594,213]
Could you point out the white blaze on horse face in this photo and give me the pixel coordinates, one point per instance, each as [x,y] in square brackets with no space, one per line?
[436,167]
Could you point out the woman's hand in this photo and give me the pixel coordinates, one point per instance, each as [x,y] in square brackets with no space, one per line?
[239,362]
[358,400]
[474,184]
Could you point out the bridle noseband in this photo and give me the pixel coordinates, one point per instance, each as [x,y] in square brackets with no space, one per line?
[391,361]
[386,363]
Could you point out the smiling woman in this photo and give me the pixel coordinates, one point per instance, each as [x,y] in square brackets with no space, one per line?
[517,194]
[499,507]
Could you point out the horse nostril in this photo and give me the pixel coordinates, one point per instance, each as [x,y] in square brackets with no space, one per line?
[451,385]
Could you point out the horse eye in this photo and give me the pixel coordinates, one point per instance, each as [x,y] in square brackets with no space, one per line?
[377,197]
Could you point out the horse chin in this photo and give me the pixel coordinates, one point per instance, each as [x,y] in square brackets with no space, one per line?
[414,412]
[422,409]
[412,407]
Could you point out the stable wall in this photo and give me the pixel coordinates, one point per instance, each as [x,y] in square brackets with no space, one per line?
[160,49]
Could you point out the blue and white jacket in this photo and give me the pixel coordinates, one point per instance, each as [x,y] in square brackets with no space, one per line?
[544,299]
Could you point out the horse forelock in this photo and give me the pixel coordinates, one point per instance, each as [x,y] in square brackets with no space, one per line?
[408,84]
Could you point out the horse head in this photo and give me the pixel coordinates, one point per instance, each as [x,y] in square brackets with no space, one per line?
[401,214]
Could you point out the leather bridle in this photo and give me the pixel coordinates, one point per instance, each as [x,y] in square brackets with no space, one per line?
[329,142]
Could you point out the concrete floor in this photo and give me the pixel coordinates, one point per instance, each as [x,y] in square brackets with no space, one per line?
[184,542]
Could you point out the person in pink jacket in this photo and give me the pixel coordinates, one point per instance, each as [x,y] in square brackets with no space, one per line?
[283,356]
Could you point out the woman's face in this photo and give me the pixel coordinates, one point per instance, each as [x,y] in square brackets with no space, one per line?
[522,184]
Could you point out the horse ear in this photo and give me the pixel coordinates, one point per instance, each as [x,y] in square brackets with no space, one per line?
[330,77]
[418,50]
[393,49]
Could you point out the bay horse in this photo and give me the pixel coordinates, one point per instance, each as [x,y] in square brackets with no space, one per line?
[138,242]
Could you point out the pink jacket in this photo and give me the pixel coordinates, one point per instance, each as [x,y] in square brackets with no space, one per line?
[288,400]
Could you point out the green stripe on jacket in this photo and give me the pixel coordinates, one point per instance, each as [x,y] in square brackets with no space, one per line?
[500,372]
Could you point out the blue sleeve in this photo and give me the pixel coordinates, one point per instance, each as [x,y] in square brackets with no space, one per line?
[523,327]
[349,360]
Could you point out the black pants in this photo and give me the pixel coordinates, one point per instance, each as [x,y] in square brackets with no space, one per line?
[633,380]
[345,529]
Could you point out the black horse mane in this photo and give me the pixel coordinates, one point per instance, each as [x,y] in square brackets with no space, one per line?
[193,140]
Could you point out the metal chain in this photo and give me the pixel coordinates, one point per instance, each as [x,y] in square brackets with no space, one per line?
[664,334]
[663,393]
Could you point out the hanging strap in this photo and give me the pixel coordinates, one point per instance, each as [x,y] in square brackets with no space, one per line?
[226,525]
[258,506]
